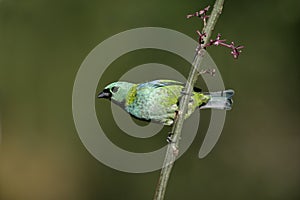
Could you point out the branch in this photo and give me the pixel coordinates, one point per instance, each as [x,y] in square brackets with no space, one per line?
[173,146]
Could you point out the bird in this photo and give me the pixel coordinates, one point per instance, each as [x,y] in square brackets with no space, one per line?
[158,100]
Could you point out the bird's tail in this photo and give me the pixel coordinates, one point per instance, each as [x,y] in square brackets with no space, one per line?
[219,100]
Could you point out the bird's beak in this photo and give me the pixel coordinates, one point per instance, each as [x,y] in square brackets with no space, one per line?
[105,94]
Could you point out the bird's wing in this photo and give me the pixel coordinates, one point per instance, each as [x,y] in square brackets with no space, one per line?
[162,83]
[158,83]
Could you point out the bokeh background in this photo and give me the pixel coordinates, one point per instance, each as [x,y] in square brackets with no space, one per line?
[43,43]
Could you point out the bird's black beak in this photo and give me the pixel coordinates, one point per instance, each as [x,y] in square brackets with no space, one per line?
[105,94]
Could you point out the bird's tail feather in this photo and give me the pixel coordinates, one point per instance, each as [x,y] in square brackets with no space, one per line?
[219,100]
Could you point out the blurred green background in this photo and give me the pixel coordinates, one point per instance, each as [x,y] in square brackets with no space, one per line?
[42,45]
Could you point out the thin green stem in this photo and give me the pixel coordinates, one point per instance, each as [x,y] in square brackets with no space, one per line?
[173,147]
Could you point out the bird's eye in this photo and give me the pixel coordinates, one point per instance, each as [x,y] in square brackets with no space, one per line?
[114,89]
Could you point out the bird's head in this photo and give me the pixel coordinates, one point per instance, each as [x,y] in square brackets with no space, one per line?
[116,91]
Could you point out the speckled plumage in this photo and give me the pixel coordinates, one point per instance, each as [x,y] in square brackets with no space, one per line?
[156,100]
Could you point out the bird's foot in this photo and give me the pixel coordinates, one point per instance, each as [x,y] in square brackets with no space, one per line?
[183,92]
[169,138]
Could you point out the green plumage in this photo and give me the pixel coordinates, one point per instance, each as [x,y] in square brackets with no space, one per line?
[156,100]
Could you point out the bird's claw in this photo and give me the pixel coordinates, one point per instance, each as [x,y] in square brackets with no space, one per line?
[184,92]
[169,138]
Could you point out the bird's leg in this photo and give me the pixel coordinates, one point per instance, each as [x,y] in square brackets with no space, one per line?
[176,115]
[169,138]
[190,101]
[183,92]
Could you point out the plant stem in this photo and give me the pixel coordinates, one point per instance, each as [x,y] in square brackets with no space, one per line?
[173,147]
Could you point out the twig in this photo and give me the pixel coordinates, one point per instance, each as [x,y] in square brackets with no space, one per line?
[173,146]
